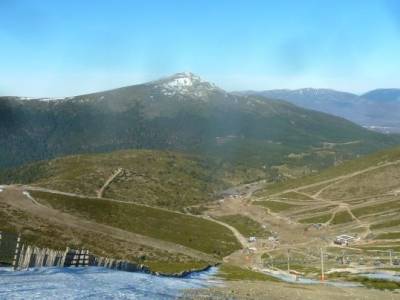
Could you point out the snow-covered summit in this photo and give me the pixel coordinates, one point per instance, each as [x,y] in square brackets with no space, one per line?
[185,79]
[186,83]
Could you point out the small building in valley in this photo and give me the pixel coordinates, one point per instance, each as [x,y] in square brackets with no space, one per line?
[252,239]
[344,240]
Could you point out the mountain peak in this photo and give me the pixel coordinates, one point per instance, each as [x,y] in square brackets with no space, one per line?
[185,83]
[183,79]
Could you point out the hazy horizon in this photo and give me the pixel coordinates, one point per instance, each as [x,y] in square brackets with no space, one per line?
[109,87]
[58,49]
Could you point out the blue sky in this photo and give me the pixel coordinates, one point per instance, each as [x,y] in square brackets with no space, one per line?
[63,48]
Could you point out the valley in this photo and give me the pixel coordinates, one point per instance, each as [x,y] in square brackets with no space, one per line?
[255,226]
[309,217]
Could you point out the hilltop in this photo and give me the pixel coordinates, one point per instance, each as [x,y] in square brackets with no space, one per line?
[159,178]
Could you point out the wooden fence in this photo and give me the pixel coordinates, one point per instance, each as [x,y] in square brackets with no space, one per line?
[15,252]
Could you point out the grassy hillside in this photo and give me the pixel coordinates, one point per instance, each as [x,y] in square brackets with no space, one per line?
[41,232]
[347,167]
[164,240]
[197,233]
[166,179]
[159,178]
[244,225]
[360,198]
[175,180]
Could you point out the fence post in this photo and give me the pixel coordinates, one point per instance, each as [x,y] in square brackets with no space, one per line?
[86,258]
[16,254]
[62,260]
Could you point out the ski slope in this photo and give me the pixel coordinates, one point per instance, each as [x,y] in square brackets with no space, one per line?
[96,283]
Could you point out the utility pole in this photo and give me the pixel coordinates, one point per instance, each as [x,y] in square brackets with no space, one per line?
[343,254]
[288,261]
[322,265]
[390,257]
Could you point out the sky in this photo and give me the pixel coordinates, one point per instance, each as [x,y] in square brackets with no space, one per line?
[68,47]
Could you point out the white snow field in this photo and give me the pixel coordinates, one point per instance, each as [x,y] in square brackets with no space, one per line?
[96,283]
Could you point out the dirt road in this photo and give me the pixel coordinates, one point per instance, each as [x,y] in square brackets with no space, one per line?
[335,180]
[100,192]
[236,233]
[242,240]
[15,197]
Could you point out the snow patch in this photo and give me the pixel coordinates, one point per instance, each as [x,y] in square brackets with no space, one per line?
[46,99]
[96,283]
[27,98]
[51,99]
[186,84]
[180,82]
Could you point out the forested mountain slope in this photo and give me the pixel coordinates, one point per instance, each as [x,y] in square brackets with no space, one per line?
[183,113]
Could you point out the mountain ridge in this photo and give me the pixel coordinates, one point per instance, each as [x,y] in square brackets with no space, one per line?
[378,110]
[390,94]
[243,131]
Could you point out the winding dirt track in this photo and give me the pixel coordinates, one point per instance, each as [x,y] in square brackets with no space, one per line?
[341,205]
[335,180]
[15,197]
[242,240]
[236,233]
[100,192]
